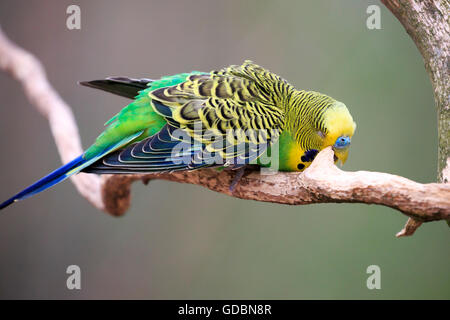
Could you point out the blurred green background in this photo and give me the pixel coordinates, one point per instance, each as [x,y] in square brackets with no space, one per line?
[183,241]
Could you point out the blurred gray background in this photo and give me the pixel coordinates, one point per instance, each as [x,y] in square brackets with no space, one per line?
[182,241]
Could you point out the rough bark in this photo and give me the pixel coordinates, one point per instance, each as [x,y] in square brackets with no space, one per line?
[322,182]
[428,24]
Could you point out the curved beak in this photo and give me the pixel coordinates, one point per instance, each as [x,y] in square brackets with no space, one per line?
[341,154]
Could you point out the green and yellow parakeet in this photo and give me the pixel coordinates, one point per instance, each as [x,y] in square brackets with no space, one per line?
[227,118]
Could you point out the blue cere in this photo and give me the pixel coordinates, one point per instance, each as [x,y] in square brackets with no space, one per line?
[342,142]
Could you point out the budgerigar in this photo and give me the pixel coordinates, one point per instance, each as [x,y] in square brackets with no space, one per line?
[228,118]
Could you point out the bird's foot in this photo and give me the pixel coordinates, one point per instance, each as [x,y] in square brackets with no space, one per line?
[239,173]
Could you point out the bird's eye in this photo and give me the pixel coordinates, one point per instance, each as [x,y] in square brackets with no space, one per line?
[342,142]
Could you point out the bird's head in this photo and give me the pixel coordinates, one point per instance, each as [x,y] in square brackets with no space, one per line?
[340,129]
[317,121]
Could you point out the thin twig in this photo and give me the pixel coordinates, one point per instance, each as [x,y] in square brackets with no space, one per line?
[26,69]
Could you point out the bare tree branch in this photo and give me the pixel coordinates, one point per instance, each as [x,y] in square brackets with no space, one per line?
[322,182]
[428,24]
[23,66]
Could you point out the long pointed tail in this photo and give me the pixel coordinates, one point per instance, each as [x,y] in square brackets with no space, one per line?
[49,180]
[66,171]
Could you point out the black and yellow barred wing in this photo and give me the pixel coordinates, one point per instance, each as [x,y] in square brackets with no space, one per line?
[225,118]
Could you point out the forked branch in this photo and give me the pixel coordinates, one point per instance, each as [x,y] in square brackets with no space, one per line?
[322,182]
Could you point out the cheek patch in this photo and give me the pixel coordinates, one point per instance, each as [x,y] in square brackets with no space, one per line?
[309,155]
[300,166]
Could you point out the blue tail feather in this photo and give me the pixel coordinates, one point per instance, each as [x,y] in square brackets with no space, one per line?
[66,171]
[46,182]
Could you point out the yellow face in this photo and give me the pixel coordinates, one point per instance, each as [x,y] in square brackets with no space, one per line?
[341,128]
